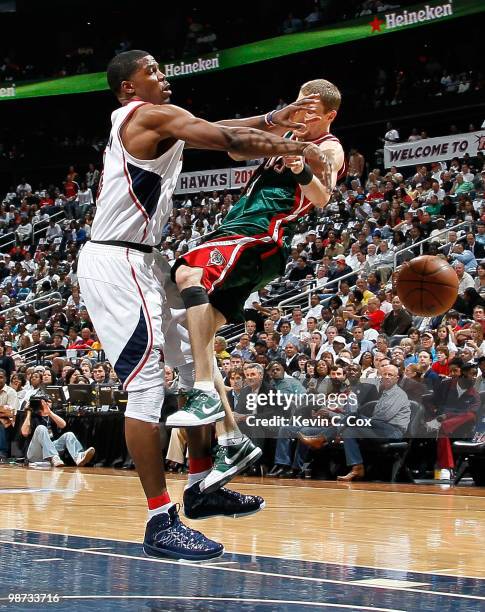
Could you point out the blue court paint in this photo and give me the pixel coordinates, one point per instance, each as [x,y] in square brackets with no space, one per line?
[122,579]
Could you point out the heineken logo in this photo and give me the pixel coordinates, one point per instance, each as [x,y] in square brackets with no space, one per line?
[405,18]
[7,92]
[216,258]
[198,65]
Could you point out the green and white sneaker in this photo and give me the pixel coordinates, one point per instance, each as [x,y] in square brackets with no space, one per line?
[230,461]
[201,408]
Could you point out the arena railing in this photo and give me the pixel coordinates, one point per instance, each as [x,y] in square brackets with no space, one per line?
[35,232]
[55,299]
[428,239]
[315,288]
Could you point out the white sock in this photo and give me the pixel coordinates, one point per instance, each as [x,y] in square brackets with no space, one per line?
[231,437]
[206,385]
[193,478]
[160,510]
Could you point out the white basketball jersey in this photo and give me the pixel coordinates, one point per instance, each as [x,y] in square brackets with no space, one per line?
[135,195]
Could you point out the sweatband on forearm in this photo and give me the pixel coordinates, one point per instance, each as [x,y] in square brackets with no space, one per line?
[305,176]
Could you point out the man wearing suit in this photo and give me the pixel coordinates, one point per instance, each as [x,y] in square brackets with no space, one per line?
[254,400]
[291,358]
[476,248]
[398,321]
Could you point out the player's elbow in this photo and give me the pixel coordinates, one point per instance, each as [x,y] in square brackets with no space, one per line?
[236,156]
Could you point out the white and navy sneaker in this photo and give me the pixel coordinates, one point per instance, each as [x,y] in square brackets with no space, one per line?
[222,502]
[167,537]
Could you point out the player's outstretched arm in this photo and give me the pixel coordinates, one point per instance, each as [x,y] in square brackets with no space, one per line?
[277,121]
[168,122]
[318,189]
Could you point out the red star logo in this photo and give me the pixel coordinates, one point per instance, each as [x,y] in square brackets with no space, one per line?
[376,24]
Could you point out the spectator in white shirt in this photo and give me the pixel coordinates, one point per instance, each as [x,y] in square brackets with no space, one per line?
[298,323]
[53,231]
[466,174]
[465,279]
[352,259]
[315,307]
[24,231]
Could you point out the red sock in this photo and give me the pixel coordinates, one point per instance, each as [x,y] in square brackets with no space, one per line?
[159,501]
[199,465]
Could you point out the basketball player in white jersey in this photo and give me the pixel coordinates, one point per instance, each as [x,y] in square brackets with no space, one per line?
[122,284]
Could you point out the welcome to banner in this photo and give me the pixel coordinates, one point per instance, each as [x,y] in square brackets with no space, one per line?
[434,149]
[214,180]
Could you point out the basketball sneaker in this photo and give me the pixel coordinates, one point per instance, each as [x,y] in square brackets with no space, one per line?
[222,502]
[166,536]
[230,460]
[201,408]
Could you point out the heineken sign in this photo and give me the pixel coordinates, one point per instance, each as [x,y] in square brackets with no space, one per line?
[185,68]
[427,13]
[387,22]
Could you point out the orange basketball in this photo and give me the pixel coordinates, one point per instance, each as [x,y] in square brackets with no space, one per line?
[427,286]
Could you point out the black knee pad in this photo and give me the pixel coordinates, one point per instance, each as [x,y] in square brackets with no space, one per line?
[194,296]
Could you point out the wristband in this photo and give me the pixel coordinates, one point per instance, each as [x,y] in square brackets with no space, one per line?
[305,176]
[268,119]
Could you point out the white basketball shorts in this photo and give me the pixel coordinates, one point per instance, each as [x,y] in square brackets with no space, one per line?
[123,292]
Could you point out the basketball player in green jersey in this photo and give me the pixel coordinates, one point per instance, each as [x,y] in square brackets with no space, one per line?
[247,251]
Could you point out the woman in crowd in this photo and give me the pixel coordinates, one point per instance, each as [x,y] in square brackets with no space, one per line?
[34,385]
[18,382]
[480,280]
[445,337]
[48,378]
[412,382]
[476,341]
[320,382]
[301,373]
[220,348]
[367,364]
[87,371]
[414,335]
[309,372]
[327,356]
[471,298]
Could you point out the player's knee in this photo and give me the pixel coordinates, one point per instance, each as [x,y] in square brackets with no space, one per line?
[194,296]
[185,276]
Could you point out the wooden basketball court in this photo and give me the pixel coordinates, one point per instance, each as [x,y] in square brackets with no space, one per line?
[77,532]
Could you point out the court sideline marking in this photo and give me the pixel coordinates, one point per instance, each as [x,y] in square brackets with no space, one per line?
[244,571]
[252,555]
[230,599]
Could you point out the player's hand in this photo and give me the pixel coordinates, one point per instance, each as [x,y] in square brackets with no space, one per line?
[295,163]
[289,115]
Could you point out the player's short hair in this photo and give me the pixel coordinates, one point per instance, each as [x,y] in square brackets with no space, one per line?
[329,93]
[122,67]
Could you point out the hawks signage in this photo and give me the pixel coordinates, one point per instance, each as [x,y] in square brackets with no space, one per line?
[434,149]
[214,180]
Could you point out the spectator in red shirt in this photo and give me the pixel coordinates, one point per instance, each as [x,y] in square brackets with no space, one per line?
[441,366]
[85,341]
[374,314]
[374,194]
